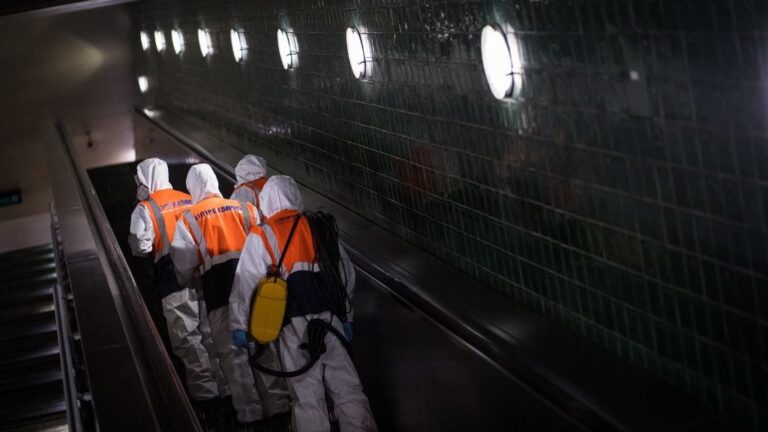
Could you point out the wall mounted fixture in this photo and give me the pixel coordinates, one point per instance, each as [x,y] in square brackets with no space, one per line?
[143,84]
[159,40]
[144,40]
[358,50]
[239,45]
[502,61]
[206,43]
[177,40]
[289,50]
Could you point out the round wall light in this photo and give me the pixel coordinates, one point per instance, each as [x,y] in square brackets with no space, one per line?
[143,84]
[144,40]
[289,52]
[177,40]
[501,61]
[159,41]
[239,45]
[206,44]
[356,50]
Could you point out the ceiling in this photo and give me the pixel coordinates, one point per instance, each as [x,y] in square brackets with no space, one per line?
[48,7]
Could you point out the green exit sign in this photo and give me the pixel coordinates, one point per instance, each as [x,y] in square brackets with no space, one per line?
[10,198]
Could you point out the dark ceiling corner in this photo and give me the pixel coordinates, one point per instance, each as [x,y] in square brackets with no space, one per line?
[9,8]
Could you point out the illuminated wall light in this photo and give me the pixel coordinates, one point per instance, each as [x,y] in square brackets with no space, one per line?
[502,62]
[143,84]
[358,49]
[288,48]
[239,44]
[206,44]
[177,40]
[159,41]
[145,42]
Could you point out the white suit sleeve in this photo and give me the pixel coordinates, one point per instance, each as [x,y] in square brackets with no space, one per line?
[347,269]
[142,234]
[252,266]
[184,254]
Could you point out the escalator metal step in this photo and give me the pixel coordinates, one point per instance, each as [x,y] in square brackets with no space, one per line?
[24,271]
[28,326]
[20,350]
[16,270]
[12,299]
[30,378]
[28,330]
[43,278]
[31,387]
[29,254]
[27,310]
[55,422]
[46,362]
[33,409]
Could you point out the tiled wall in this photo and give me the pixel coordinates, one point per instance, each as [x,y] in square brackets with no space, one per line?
[624,194]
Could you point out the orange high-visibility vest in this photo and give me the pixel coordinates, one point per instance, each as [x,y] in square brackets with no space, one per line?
[308,292]
[254,186]
[274,233]
[219,227]
[164,207]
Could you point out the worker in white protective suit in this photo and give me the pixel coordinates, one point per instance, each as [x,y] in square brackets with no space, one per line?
[152,228]
[207,245]
[251,174]
[334,373]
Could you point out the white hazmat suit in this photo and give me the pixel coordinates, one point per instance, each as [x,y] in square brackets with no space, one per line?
[334,372]
[249,170]
[253,397]
[185,316]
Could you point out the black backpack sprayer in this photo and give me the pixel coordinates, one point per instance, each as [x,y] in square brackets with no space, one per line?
[269,302]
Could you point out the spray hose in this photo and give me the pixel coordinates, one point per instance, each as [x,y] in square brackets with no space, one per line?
[317,329]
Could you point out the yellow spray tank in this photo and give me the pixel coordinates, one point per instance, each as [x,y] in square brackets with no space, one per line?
[268,307]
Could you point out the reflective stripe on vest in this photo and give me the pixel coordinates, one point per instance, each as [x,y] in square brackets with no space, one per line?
[160,221]
[254,187]
[199,238]
[246,217]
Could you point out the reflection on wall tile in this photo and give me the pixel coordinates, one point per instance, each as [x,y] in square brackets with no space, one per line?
[625,194]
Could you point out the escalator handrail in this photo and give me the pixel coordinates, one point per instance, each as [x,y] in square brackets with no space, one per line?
[63,331]
[163,386]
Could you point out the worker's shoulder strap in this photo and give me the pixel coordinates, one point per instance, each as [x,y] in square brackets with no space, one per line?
[246,217]
[197,236]
[157,213]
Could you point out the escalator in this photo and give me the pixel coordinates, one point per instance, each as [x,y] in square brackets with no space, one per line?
[430,355]
[422,366]
[416,376]
[31,387]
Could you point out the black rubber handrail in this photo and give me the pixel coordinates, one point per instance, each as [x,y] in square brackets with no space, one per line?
[171,407]
[64,334]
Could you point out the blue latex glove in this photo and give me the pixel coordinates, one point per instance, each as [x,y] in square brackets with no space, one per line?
[347,331]
[240,338]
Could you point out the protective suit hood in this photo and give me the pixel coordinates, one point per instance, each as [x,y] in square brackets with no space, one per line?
[202,182]
[153,173]
[251,167]
[280,193]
